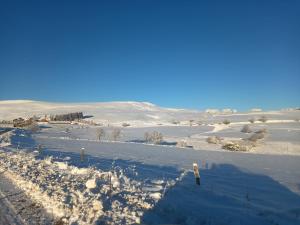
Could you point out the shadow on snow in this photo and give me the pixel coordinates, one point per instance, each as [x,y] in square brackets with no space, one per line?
[227,195]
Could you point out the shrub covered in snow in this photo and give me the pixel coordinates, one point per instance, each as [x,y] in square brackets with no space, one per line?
[200,122]
[263,130]
[175,122]
[263,119]
[125,124]
[181,144]
[226,122]
[252,120]
[256,136]
[231,146]
[213,140]
[237,146]
[246,129]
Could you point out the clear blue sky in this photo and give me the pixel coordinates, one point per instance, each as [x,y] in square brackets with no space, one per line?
[193,54]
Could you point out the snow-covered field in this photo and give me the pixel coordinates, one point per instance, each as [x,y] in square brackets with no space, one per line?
[71,177]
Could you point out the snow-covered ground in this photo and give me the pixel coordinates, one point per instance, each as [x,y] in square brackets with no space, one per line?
[131,181]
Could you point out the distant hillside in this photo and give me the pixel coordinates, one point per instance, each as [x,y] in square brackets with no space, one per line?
[106,112]
[134,113]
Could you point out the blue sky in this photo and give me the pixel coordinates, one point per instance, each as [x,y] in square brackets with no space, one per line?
[192,54]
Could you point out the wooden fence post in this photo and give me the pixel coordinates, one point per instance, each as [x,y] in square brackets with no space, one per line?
[82,155]
[40,149]
[196,173]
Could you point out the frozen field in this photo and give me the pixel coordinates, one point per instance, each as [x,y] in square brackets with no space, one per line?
[129,181]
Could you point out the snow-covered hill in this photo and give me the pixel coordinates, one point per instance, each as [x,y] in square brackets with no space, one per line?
[105,112]
[134,113]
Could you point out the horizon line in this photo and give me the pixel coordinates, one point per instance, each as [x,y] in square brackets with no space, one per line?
[149,102]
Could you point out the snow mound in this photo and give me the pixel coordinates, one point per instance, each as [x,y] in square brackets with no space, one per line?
[81,195]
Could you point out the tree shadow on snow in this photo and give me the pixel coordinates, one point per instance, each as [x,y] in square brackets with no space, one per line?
[226,195]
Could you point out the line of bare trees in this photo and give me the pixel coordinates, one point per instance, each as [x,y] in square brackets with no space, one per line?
[67,117]
[114,135]
[154,137]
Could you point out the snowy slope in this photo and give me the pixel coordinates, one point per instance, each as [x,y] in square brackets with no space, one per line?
[135,113]
[106,112]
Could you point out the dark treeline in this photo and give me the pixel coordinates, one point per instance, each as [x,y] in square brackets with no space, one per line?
[67,117]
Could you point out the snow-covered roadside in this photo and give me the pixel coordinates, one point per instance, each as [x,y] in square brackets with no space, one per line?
[8,214]
[82,195]
[5,138]
[16,208]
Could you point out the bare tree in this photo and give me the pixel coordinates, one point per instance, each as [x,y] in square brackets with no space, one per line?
[115,134]
[147,137]
[100,133]
[154,137]
[157,137]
